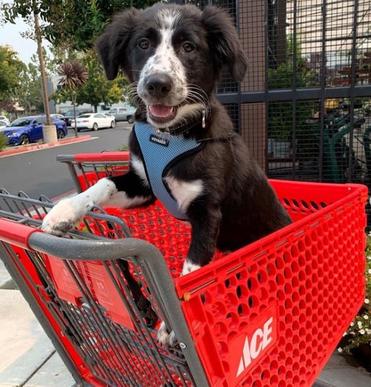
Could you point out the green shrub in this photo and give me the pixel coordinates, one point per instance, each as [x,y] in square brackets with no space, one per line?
[280,114]
[359,332]
[3,141]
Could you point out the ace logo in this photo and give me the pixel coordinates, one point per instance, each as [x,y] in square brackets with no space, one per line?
[252,348]
[253,344]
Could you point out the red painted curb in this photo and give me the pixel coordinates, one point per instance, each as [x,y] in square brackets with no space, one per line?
[36,147]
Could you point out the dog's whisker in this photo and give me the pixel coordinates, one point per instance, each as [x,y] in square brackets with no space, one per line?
[196,99]
[198,96]
[199,89]
[195,94]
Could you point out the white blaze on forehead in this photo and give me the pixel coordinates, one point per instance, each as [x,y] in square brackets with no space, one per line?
[168,18]
[165,59]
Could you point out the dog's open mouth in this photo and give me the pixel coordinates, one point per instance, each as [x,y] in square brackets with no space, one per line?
[162,113]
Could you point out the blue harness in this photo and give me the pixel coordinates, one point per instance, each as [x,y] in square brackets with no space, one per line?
[159,152]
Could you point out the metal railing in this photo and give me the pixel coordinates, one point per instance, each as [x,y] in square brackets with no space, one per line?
[309,60]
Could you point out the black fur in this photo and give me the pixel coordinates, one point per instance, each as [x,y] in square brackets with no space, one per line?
[237,205]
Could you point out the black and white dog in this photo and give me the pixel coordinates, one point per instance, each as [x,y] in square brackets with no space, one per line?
[173,56]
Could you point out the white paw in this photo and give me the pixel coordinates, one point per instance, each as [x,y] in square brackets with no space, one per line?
[164,337]
[62,217]
[188,267]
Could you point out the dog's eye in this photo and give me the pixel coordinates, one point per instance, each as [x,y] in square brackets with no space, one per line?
[143,43]
[188,46]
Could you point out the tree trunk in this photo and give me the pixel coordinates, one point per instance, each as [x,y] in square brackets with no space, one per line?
[74,113]
[49,129]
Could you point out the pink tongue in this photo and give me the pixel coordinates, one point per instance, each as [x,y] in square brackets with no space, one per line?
[160,110]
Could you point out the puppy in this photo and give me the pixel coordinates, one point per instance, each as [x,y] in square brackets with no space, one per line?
[173,55]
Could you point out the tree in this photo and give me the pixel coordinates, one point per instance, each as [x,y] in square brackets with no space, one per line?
[71,23]
[97,88]
[73,76]
[28,92]
[30,11]
[83,21]
[10,67]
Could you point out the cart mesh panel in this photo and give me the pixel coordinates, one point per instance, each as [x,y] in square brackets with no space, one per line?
[301,284]
[112,330]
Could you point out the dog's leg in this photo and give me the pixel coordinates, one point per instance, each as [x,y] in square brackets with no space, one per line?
[124,191]
[205,221]
[143,304]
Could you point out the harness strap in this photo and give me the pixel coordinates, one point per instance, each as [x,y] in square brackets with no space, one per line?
[159,151]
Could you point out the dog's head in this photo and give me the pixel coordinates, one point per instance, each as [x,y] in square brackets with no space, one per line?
[173,55]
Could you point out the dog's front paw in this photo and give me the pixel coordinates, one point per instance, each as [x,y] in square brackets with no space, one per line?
[165,337]
[189,267]
[61,218]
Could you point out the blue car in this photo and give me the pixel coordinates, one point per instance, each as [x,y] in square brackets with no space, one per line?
[25,130]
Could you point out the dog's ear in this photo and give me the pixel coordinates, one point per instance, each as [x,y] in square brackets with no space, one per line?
[223,41]
[111,45]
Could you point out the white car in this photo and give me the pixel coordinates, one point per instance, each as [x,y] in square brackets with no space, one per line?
[3,118]
[94,121]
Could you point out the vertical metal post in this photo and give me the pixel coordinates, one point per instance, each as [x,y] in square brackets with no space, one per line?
[322,86]
[352,84]
[266,85]
[237,4]
[294,57]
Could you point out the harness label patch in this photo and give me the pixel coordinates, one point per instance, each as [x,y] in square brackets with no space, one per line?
[159,140]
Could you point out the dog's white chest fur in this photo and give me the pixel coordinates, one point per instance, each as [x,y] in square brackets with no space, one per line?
[184,192]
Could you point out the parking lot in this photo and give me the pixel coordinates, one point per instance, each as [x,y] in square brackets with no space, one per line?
[39,173]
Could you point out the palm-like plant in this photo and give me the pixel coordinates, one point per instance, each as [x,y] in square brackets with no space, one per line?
[73,75]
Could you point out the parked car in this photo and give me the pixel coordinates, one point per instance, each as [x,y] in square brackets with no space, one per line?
[25,130]
[3,124]
[58,116]
[69,115]
[123,113]
[3,118]
[94,121]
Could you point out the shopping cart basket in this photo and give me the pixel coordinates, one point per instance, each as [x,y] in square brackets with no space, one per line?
[269,314]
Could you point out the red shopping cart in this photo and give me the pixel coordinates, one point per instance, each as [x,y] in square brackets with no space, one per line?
[269,314]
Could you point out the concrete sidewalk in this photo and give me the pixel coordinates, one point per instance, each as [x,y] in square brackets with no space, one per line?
[28,358]
[17,150]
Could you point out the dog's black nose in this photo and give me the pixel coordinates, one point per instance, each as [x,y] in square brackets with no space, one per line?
[158,85]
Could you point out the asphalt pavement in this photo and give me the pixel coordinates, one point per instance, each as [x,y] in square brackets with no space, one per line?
[39,172]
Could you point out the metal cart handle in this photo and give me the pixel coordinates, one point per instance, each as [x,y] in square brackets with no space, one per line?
[143,253]
[122,156]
